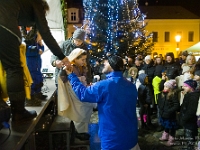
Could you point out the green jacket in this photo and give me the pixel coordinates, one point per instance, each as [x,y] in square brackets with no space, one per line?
[156,81]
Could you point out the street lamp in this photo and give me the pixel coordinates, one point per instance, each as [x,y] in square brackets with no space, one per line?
[178,39]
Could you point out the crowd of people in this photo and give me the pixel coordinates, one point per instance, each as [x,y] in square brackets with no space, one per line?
[169,87]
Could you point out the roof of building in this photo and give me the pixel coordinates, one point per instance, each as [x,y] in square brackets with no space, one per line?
[167,12]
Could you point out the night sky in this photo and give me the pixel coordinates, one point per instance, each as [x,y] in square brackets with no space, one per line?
[191,5]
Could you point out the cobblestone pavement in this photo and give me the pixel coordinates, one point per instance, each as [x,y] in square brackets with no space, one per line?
[149,139]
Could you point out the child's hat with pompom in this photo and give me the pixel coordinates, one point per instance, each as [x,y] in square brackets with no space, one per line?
[170,84]
[190,83]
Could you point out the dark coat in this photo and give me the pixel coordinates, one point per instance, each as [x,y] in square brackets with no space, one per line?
[149,70]
[168,107]
[27,13]
[144,92]
[187,116]
[172,70]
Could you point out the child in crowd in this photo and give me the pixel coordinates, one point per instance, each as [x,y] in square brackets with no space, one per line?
[132,73]
[156,88]
[187,73]
[187,116]
[145,98]
[168,104]
[197,79]
[68,103]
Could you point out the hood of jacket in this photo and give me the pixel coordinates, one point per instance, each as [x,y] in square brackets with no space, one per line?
[142,77]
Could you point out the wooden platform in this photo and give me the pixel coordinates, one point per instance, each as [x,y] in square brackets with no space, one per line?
[24,132]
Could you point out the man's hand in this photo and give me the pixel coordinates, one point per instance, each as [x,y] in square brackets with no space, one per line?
[68,69]
[66,62]
[58,64]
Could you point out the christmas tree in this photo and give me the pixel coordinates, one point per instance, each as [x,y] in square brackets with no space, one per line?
[116,26]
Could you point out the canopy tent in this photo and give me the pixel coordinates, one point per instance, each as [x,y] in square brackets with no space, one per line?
[55,22]
[55,19]
[195,49]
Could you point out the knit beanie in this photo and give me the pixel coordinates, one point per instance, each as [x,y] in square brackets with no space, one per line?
[79,34]
[170,84]
[75,53]
[116,62]
[197,72]
[185,69]
[190,83]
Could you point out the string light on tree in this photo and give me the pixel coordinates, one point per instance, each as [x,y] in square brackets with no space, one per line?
[116,26]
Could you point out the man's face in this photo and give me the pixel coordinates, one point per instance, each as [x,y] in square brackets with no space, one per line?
[78,42]
[169,59]
[107,68]
[183,57]
[147,61]
[137,62]
[158,60]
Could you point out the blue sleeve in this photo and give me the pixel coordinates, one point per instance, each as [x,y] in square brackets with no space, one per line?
[92,94]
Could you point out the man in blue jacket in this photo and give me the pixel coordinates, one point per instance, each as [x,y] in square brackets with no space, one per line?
[116,98]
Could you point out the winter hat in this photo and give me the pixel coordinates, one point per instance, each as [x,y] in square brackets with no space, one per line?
[147,57]
[185,53]
[75,53]
[142,77]
[190,83]
[79,34]
[170,84]
[171,54]
[185,69]
[116,62]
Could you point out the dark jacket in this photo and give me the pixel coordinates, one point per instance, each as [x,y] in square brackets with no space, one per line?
[187,116]
[27,13]
[168,107]
[144,92]
[149,70]
[172,70]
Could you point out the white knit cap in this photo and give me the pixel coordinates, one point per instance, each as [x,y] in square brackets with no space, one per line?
[185,69]
[147,57]
[75,53]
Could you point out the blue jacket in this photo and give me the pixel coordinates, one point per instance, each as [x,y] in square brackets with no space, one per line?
[116,98]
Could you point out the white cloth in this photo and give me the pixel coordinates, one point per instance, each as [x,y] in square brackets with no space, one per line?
[70,106]
[81,127]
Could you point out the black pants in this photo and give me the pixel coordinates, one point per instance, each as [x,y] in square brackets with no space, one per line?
[10,59]
[190,138]
[145,110]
